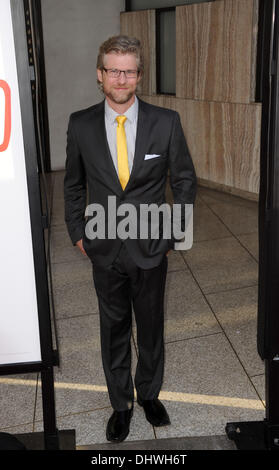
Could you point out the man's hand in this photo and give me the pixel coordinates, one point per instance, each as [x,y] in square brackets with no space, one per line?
[167,253]
[79,244]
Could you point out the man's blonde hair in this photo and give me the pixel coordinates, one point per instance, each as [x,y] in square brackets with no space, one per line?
[120,45]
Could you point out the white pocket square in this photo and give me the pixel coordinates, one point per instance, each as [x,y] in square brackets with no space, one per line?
[149,156]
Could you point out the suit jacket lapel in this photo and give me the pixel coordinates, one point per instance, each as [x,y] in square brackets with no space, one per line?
[99,126]
[141,139]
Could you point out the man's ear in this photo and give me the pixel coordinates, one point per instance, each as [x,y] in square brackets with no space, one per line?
[139,77]
[100,75]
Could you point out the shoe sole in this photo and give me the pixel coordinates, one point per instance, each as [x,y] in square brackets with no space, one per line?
[119,439]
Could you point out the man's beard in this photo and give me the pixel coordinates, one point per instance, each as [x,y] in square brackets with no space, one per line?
[119,99]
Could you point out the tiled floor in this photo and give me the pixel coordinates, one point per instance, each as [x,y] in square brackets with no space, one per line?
[213,373]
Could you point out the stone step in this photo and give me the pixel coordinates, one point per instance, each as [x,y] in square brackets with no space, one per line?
[176,443]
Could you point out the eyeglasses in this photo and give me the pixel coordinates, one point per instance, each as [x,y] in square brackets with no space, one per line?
[115,73]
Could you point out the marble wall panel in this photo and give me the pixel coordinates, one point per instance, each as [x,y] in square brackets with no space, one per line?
[216,50]
[141,24]
[223,138]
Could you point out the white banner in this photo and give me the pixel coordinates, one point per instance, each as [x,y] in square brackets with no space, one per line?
[19,328]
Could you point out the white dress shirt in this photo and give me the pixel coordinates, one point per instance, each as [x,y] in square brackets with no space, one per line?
[130,130]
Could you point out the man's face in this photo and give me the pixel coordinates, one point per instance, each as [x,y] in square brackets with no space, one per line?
[119,90]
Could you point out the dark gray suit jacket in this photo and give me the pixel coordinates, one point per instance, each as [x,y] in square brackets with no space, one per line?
[89,166]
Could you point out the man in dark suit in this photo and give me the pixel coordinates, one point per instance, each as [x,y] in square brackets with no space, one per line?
[122,148]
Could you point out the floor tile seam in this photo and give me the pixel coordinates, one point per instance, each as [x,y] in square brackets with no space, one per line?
[75,413]
[176,340]
[213,292]
[90,314]
[248,233]
[251,210]
[177,270]
[211,239]
[12,426]
[208,205]
[194,337]
[216,314]
[232,234]
[237,200]
[223,237]
[245,248]
[225,334]
[257,375]
[226,237]
[230,289]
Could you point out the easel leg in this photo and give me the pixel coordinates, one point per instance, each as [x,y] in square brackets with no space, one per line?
[50,431]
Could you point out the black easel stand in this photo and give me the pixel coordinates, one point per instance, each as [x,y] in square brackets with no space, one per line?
[261,435]
[265,434]
[51,436]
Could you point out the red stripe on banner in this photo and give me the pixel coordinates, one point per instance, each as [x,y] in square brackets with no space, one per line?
[7,125]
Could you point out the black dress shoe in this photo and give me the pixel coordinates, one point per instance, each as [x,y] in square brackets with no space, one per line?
[119,425]
[155,412]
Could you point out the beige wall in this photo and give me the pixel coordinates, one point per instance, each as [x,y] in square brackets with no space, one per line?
[73,31]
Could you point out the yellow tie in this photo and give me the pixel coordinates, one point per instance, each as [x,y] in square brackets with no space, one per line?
[122,154]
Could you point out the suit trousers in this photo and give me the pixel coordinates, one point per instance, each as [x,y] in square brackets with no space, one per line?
[122,287]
